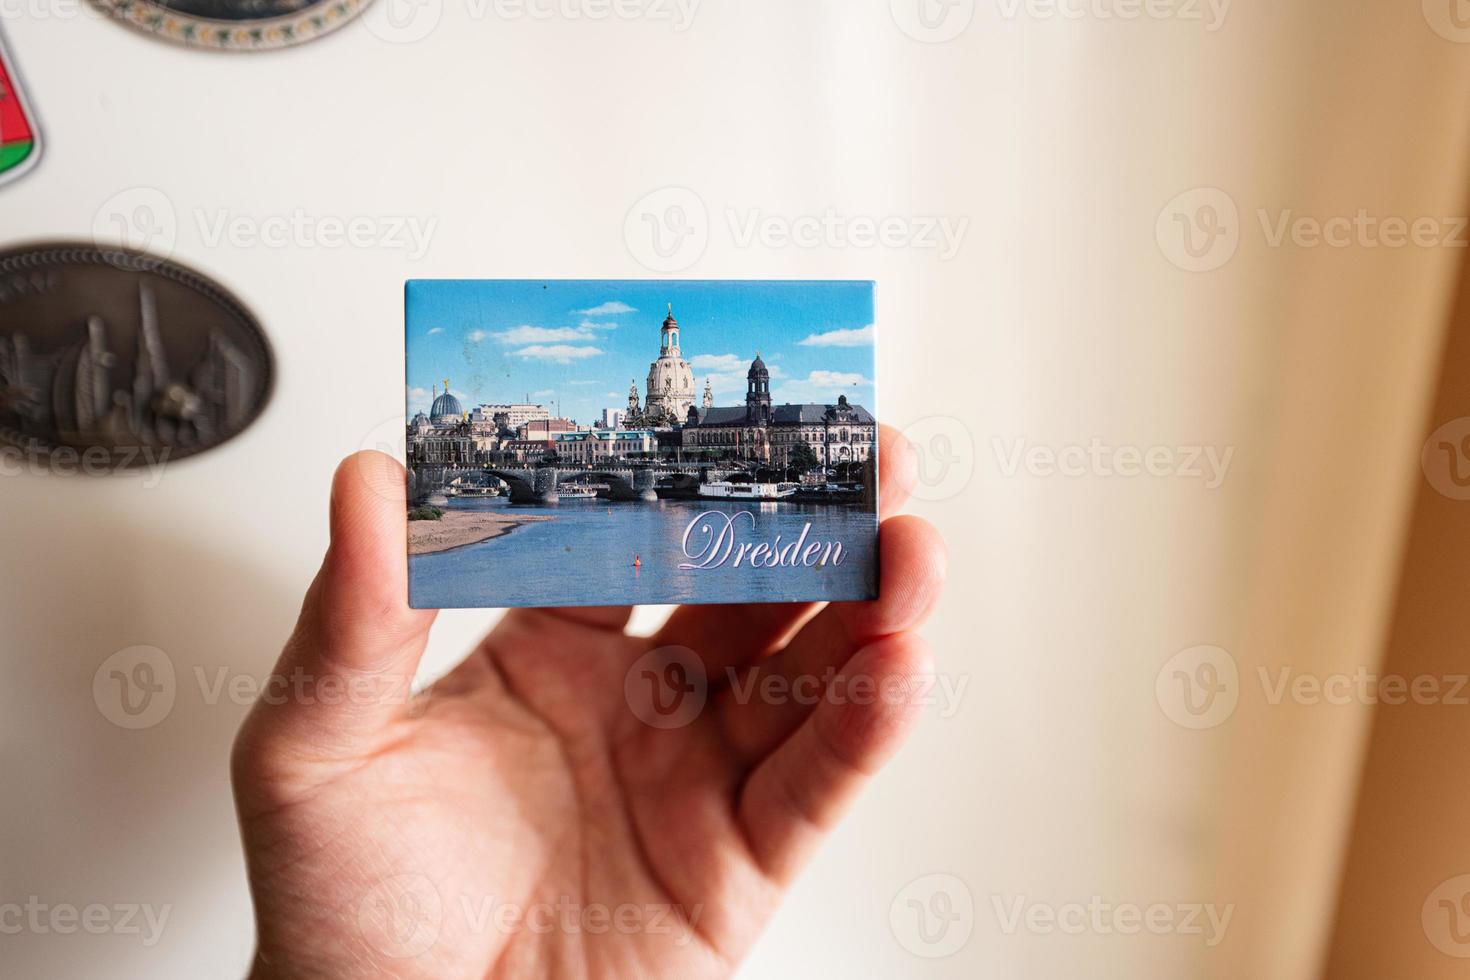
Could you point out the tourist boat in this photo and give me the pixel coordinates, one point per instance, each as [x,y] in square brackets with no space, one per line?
[747,491]
[578,491]
[473,492]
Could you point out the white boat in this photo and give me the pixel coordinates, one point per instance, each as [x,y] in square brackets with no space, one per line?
[473,492]
[572,491]
[747,491]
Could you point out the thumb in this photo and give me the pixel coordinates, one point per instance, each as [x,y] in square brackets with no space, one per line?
[347,670]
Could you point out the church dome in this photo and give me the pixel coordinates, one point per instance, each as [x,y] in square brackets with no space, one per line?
[757,369]
[446,406]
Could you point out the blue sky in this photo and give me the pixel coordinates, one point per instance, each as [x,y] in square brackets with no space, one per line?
[582,341]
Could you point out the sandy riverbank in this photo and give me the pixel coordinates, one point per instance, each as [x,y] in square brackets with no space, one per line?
[458,528]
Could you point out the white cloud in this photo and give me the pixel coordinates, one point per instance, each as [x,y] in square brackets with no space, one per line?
[526,334]
[594,325]
[726,373]
[820,386]
[861,337]
[719,362]
[556,353]
[612,394]
[610,308]
[434,330]
[543,393]
[581,383]
[418,399]
[475,336]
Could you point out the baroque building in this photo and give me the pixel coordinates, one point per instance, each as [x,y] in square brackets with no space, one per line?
[670,390]
[444,437]
[758,430]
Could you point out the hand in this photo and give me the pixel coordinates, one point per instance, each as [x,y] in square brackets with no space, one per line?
[519,819]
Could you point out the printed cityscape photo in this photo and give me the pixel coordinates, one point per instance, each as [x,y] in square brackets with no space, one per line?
[594,443]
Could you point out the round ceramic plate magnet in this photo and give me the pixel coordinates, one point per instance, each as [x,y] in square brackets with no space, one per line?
[111,359]
[237,25]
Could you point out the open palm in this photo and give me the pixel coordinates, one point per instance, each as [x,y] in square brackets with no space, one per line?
[570,800]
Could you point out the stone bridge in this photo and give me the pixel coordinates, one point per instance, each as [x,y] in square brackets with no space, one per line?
[542,484]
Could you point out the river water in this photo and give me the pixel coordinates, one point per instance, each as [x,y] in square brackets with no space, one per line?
[585,554]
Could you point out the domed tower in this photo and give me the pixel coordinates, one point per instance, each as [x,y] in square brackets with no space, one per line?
[670,379]
[446,409]
[758,392]
[709,395]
